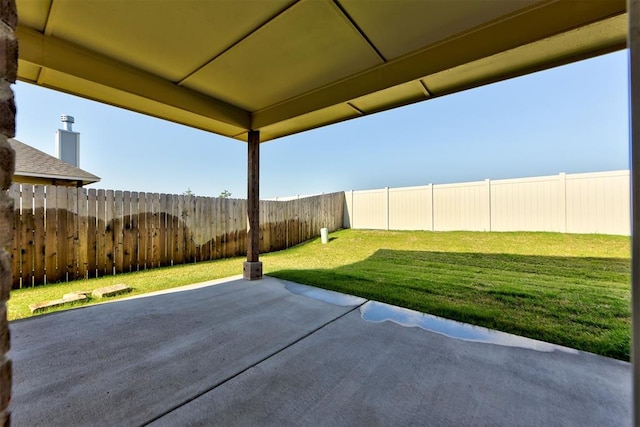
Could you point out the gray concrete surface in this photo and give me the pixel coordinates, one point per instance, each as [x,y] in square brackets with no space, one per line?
[276,353]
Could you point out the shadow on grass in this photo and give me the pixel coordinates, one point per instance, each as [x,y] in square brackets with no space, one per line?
[582,303]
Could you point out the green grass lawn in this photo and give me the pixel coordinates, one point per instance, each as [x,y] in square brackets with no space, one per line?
[568,289]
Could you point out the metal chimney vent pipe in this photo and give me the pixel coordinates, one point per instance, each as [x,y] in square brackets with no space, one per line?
[68,142]
[68,121]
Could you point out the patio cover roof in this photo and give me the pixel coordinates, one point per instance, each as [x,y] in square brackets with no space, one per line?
[284,66]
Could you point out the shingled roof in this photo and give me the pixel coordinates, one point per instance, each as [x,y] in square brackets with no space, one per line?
[33,163]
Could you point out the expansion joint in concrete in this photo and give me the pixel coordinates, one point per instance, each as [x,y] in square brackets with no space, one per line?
[269,356]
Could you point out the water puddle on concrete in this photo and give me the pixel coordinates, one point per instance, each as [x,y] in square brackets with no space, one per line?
[378,312]
[330,297]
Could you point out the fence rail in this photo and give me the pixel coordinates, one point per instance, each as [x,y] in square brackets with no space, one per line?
[577,203]
[64,233]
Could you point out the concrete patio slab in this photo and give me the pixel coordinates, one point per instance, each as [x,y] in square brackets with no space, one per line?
[125,362]
[276,353]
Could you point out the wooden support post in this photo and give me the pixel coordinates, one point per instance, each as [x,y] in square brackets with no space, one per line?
[252,269]
[633,9]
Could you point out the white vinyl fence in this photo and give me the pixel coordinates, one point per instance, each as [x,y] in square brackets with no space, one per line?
[575,203]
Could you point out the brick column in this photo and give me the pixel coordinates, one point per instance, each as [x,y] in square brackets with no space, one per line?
[8,68]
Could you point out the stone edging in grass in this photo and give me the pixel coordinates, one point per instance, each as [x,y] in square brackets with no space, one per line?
[80,296]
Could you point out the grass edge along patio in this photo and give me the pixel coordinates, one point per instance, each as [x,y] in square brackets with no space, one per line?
[569,289]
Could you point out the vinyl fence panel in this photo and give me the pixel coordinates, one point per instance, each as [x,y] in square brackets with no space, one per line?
[370,209]
[461,207]
[530,204]
[411,208]
[598,203]
[574,203]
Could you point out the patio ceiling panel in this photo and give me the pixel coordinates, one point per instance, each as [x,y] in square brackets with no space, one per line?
[308,46]
[402,26]
[34,13]
[166,39]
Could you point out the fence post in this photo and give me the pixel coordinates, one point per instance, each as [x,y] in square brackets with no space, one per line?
[352,213]
[16,249]
[347,218]
[353,209]
[562,206]
[433,211]
[487,184]
[387,210]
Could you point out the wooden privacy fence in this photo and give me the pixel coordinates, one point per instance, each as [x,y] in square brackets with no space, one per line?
[63,233]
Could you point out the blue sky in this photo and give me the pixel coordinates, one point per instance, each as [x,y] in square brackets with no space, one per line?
[569,119]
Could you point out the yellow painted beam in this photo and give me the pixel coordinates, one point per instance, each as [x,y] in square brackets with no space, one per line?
[63,57]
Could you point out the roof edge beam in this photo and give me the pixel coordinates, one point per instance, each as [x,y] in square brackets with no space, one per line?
[56,54]
[515,31]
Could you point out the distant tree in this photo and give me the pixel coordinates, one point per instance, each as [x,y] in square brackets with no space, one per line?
[188,192]
[225,194]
